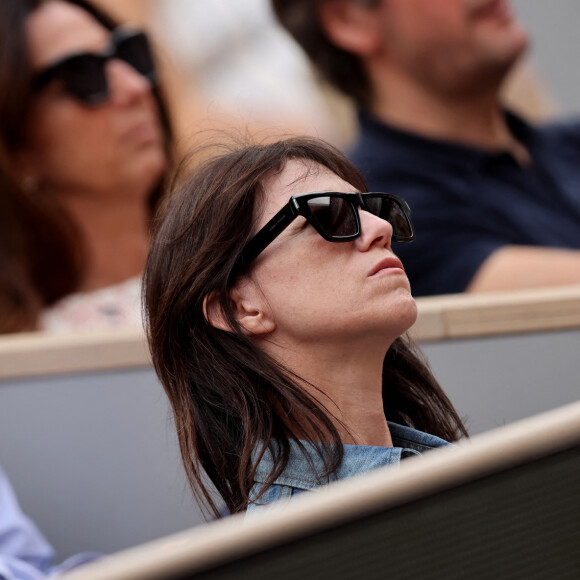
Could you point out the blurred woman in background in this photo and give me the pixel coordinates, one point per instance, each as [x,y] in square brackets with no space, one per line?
[87,144]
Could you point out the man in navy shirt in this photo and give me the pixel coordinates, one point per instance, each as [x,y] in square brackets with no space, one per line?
[495,201]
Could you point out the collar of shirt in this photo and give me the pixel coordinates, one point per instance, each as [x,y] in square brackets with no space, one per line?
[305,466]
[438,149]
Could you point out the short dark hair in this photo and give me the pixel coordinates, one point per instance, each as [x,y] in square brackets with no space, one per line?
[230,400]
[343,70]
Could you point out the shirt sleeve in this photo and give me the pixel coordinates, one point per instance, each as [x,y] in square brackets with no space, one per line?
[25,554]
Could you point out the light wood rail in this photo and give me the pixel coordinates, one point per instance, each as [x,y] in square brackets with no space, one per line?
[206,548]
[455,316]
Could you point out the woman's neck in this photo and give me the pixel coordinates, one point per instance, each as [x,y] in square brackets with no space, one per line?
[349,385]
[114,235]
[360,412]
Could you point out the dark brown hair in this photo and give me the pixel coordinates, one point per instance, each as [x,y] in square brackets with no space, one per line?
[46,234]
[342,69]
[19,303]
[29,245]
[230,399]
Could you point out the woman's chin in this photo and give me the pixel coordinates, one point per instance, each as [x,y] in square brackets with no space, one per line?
[407,308]
[150,168]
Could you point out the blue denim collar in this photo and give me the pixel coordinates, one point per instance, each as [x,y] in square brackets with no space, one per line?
[303,470]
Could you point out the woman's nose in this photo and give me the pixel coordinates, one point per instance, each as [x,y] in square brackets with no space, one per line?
[374,231]
[126,84]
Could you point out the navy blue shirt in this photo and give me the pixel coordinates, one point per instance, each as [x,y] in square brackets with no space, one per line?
[468,202]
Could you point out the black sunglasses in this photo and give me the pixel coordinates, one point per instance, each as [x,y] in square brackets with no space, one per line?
[83,74]
[335,217]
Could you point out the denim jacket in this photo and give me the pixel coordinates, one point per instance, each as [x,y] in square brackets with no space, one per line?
[299,475]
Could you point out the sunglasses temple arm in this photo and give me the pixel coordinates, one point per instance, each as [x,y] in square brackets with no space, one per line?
[266,236]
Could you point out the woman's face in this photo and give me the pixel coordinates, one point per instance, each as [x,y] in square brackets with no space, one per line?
[115,146]
[317,290]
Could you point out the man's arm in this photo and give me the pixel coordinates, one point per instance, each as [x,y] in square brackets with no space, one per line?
[25,554]
[515,267]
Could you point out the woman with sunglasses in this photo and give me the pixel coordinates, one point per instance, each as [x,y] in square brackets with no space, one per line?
[277,314]
[87,138]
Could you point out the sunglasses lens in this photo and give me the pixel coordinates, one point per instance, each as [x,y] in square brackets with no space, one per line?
[135,51]
[84,77]
[335,215]
[392,211]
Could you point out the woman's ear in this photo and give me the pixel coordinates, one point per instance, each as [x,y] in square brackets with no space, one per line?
[248,310]
[351,25]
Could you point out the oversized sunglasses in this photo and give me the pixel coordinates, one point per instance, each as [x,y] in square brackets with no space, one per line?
[335,217]
[83,74]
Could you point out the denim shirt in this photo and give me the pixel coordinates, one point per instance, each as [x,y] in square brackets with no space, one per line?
[299,475]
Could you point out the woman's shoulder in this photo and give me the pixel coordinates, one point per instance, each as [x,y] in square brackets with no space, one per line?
[305,470]
[275,494]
